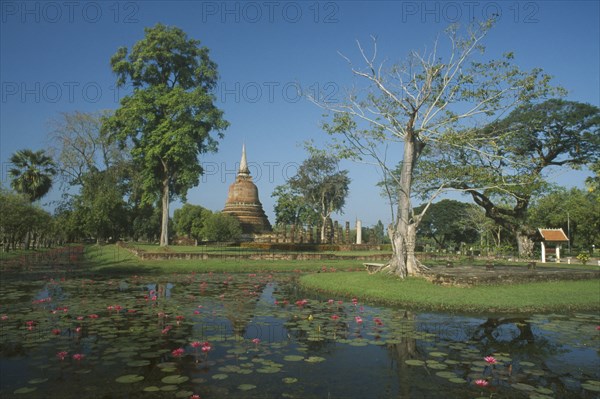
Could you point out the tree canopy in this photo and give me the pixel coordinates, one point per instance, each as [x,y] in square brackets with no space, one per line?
[31,173]
[522,149]
[322,186]
[170,115]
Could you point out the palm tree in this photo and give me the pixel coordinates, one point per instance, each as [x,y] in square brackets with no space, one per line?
[32,173]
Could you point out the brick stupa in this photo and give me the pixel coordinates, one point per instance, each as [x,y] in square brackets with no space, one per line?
[243,203]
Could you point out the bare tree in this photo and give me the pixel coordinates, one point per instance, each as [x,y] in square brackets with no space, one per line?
[408,107]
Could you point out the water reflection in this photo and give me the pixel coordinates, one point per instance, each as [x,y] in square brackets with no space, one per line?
[262,332]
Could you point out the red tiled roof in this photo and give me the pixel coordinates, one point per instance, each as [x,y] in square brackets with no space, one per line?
[556,235]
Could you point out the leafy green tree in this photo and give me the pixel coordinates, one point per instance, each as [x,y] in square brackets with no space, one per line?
[379,232]
[189,220]
[576,211]
[443,223]
[32,173]
[593,182]
[22,222]
[531,140]
[322,185]
[170,115]
[100,206]
[291,208]
[418,104]
[221,227]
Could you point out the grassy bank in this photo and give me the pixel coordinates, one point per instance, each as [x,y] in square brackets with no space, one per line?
[111,258]
[419,294]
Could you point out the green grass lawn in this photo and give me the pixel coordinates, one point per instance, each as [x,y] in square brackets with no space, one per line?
[420,294]
[236,250]
[110,258]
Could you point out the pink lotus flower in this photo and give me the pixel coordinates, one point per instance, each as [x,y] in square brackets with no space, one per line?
[79,317]
[195,397]
[78,356]
[5,317]
[256,341]
[378,321]
[481,383]
[358,319]
[490,359]
[196,344]
[354,301]
[93,316]
[62,355]
[334,317]
[178,352]
[597,327]
[330,301]
[56,331]
[206,347]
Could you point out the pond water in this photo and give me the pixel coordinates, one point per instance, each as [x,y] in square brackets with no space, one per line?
[259,336]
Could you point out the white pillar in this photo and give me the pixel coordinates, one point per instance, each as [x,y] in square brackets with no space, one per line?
[358,232]
[543,252]
[557,253]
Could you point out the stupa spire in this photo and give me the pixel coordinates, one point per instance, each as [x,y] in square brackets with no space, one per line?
[244,163]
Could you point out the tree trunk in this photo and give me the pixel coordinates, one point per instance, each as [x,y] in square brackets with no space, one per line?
[524,244]
[323,227]
[403,262]
[164,230]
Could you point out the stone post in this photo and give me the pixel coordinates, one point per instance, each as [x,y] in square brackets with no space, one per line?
[358,232]
[310,234]
[318,232]
[347,238]
[336,236]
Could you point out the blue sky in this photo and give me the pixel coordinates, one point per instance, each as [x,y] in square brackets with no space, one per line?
[55,58]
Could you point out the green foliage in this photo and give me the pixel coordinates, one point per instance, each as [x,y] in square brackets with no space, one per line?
[292,208]
[221,227]
[444,223]
[31,173]
[321,185]
[576,211]
[502,166]
[102,211]
[584,257]
[189,220]
[170,115]
[22,223]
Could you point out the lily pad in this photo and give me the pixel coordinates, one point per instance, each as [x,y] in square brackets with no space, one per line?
[151,388]
[289,380]
[168,388]
[246,387]
[38,380]
[293,358]
[220,376]
[129,378]
[414,362]
[175,379]
[590,386]
[314,359]
[523,387]
[25,390]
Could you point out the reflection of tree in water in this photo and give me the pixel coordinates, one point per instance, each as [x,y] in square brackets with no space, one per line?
[512,335]
[405,350]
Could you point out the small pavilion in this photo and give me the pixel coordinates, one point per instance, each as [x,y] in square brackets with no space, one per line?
[552,238]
